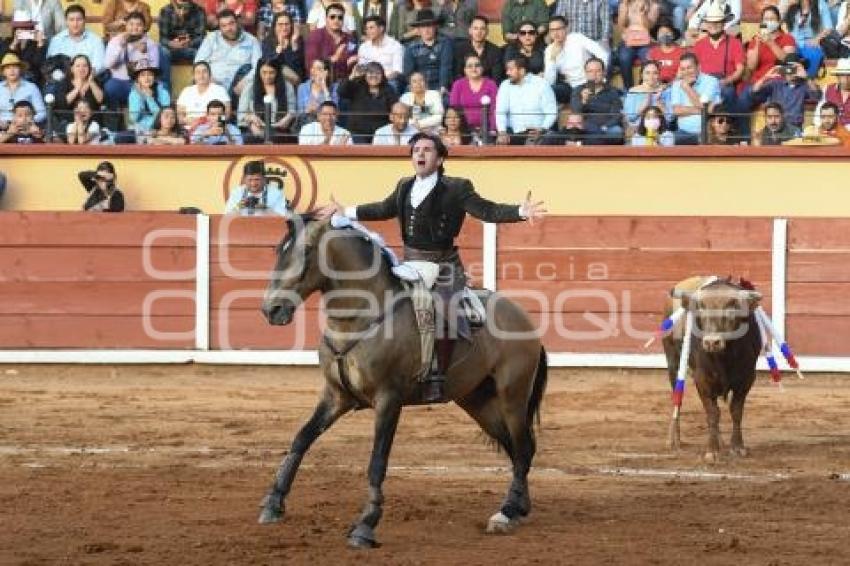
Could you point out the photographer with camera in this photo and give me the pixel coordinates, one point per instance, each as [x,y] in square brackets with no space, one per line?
[104,196]
[789,85]
[214,128]
[256,196]
[30,45]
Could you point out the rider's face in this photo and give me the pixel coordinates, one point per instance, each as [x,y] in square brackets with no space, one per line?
[425,158]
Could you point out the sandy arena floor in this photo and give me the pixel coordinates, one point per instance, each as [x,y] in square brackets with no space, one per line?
[166,465]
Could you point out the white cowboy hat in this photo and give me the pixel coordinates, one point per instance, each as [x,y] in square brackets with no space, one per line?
[813,137]
[718,11]
[842,67]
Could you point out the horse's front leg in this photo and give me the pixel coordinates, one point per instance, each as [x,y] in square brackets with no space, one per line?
[362,534]
[330,408]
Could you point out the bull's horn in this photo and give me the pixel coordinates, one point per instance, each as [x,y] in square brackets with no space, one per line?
[751,295]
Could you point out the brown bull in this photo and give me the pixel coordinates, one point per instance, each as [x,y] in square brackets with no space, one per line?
[725,345]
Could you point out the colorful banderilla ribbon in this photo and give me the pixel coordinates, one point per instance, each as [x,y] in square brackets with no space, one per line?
[762,318]
[679,387]
[666,325]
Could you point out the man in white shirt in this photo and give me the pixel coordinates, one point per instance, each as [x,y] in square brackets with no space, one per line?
[565,57]
[325,131]
[398,131]
[75,39]
[256,196]
[383,49]
[525,105]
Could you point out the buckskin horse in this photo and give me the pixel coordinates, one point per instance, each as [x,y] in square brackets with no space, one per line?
[369,358]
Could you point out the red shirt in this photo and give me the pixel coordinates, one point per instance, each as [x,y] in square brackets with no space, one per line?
[240,8]
[767,59]
[668,62]
[711,58]
[833,95]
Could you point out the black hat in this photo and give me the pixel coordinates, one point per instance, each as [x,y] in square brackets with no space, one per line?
[667,24]
[424,17]
[254,168]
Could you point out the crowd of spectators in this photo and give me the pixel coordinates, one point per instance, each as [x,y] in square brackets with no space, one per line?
[378,71]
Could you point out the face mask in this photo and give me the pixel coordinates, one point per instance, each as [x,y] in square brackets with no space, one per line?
[716,35]
[665,39]
[770,26]
[652,124]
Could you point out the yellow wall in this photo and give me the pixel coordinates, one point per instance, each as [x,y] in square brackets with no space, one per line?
[712,186]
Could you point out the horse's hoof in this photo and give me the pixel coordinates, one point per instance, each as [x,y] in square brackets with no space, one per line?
[739,451]
[500,524]
[272,512]
[362,537]
[711,457]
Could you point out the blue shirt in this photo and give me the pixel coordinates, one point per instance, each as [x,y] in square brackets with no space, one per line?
[226,59]
[143,109]
[707,88]
[792,97]
[89,44]
[305,93]
[233,136]
[25,91]
[634,101]
[524,106]
[272,202]
[804,31]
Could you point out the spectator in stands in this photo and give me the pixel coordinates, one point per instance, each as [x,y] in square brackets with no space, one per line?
[324,130]
[699,10]
[245,12]
[370,98]
[193,100]
[398,131]
[231,52]
[383,8]
[116,16]
[30,46]
[686,98]
[839,92]
[166,129]
[284,46]
[721,128]
[652,129]
[15,88]
[600,104]
[45,14]
[378,47]
[456,17]
[529,46]
[124,52]
[770,46]
[591,18]
[214,129]
[317,89]
[830,124]
[407,12]
[790,86]
[776,130]
[83,128]
[841,39]
[489,55]
[514,12]
[667,51]
[268,82]
[331,42]
[525,105]
[566,56]
[429,54]
[426,105]
[468,93]
[455,129]
[75,39]
[317,17]
[650,92]
[256,196]
[268,10]
[810,22]
[100,184]
[147,97]
[182,26]
[635,20]
[78,84]
[22,129]
[720,55]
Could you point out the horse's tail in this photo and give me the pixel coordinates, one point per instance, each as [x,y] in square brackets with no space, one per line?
[538,388]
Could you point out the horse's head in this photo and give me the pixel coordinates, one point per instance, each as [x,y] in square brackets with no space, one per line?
[296,273]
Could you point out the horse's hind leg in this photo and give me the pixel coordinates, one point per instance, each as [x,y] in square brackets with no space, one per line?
[329,409]
[387,413]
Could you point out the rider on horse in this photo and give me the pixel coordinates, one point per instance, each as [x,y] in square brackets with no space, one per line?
[431,208]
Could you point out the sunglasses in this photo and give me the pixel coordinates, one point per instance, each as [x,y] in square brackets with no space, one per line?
[335,16]
[528,32]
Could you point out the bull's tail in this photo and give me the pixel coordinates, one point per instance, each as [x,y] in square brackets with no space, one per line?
[538,388]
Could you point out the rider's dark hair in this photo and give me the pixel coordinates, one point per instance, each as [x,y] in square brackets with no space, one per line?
[439,146]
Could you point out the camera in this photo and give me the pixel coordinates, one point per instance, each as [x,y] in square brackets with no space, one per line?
[789,68]
[250,202]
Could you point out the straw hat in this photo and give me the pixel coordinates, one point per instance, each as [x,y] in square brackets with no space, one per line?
[813,137]
[10,59]
[718,11]
[842,67]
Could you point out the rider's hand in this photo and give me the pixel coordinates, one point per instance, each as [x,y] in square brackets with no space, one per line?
[531,210]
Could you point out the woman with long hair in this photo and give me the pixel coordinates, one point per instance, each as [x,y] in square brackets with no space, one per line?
[652,129]
[285,47]
[78,84]
[720,128]
[635,19]
[370,99]
[455,129]
[650,92]
[83,129]
[166,129]
[467,92]
[319,88]
[809,22]
[147,97]
[268,82]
